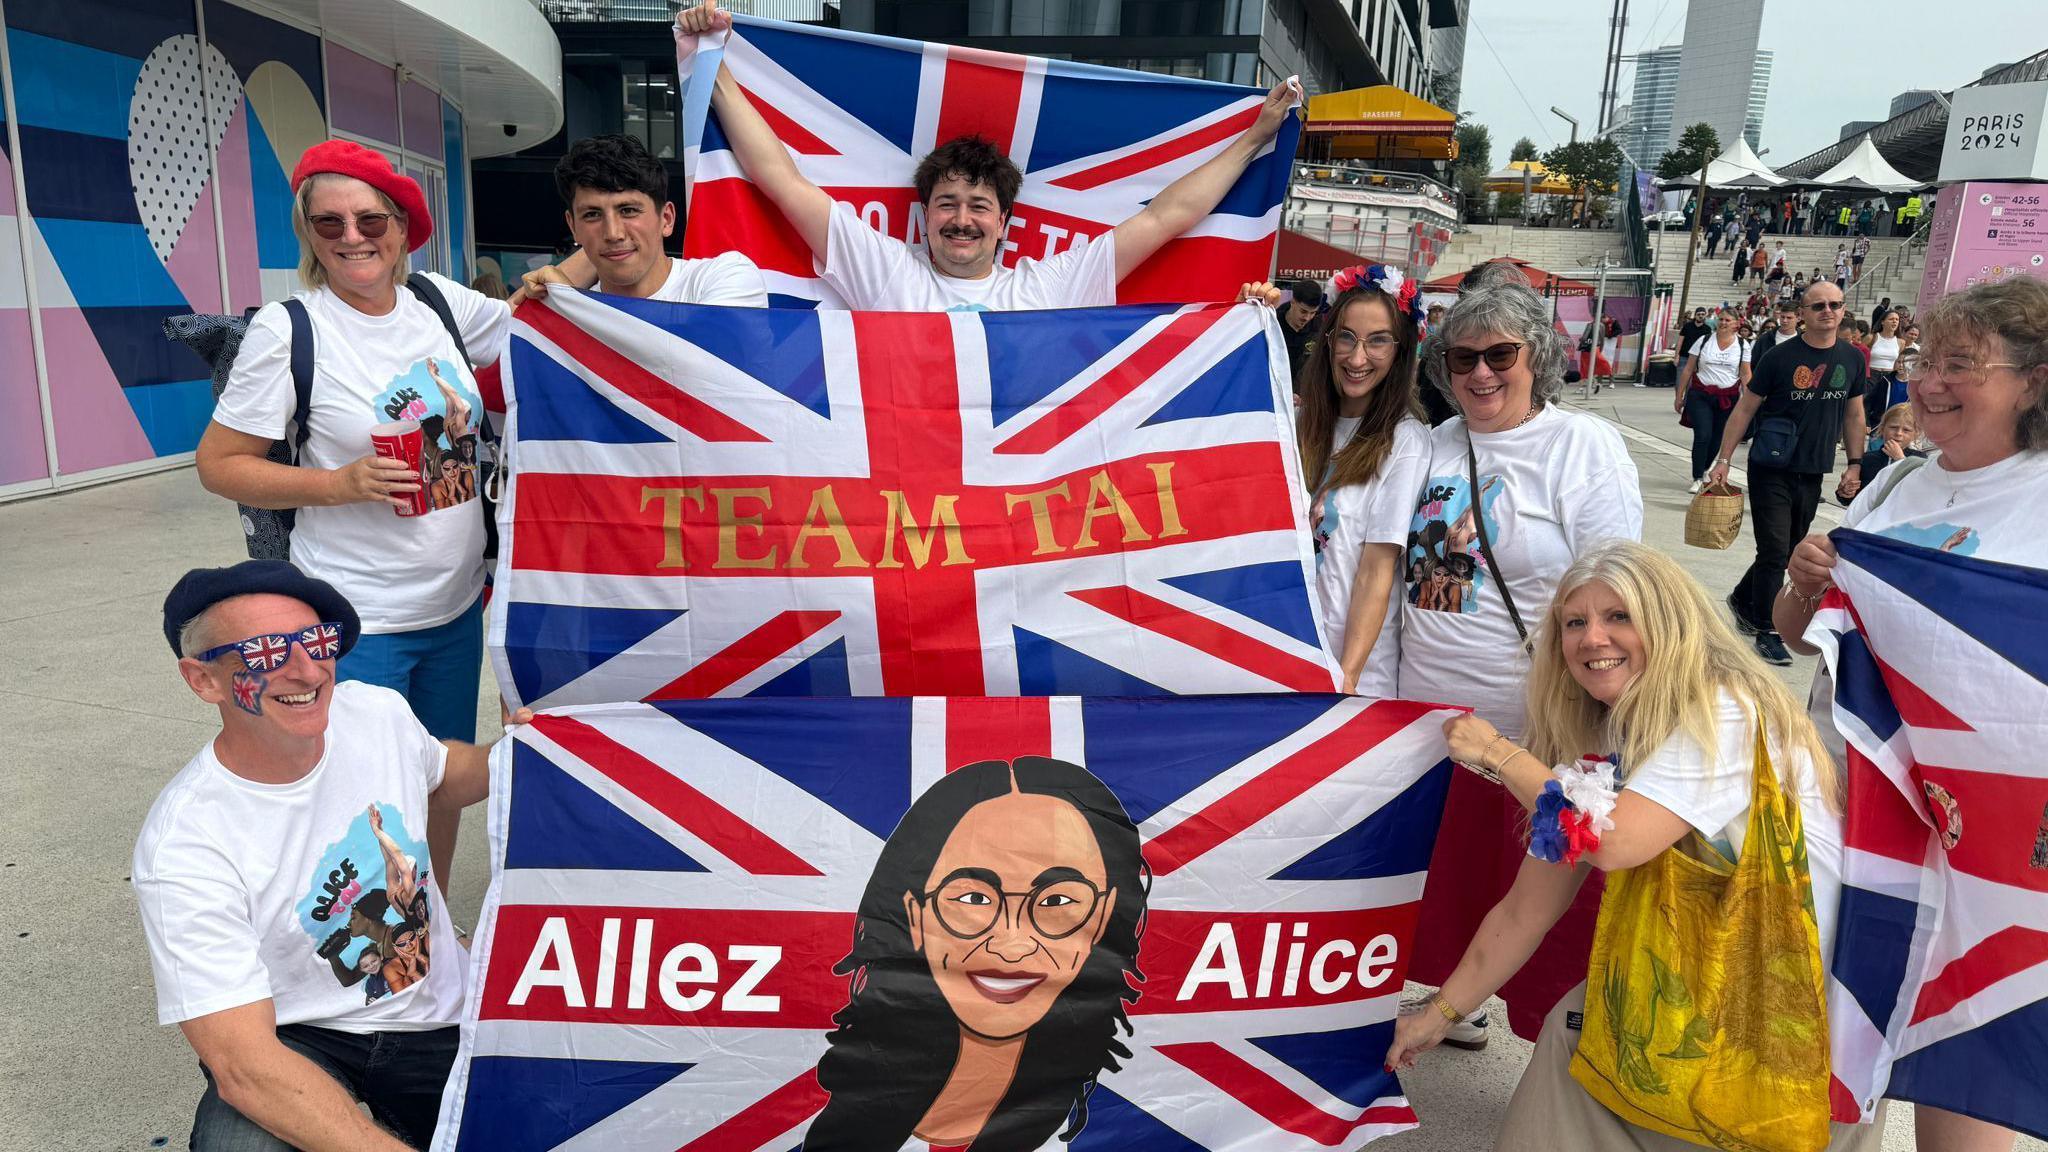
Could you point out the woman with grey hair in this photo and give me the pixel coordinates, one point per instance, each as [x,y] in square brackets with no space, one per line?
[1518,489]
[1979,392]
[381,355]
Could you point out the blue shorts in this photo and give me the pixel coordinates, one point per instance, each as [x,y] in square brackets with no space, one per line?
[438,670]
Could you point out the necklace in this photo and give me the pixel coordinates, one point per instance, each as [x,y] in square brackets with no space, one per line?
[1526,417]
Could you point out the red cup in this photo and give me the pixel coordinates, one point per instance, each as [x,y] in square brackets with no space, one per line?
[400,440]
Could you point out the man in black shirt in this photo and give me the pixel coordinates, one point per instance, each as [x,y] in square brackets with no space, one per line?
[1788,327]
[1807,396]
[1690,332]
[1298,324]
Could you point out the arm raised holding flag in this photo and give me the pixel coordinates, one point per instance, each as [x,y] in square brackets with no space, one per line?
[968,188]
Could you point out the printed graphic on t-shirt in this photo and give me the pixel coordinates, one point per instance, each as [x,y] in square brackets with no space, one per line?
[1806,377]
[1940,536]
[433,392]
[1322,513]
[366,908]
[1446,569]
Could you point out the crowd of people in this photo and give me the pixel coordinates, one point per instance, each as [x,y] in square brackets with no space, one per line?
[292,878]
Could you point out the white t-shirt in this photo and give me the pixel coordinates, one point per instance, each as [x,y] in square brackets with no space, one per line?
[1996,516]
[1717,367]
[1884,353]
[1550,489]
[1349,518]
[401,573]
[878,273]
[247,888]
[728,278]
[1713,796]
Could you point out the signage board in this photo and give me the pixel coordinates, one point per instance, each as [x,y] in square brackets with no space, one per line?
[1994,133]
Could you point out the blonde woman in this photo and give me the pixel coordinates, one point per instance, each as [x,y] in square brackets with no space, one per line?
[418,580]
[1632,660]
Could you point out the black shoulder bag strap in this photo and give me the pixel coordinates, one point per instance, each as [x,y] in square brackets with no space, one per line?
[302,373]
[1486,546]
[430,294]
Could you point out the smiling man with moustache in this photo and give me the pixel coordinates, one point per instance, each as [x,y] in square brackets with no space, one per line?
[968,187]
[263,861]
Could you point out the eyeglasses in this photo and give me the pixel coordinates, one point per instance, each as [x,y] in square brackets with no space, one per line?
[1825,306]
[370,225]
[268,652]
[1499,357]
[969,905]
[1343,344]
[1954,369]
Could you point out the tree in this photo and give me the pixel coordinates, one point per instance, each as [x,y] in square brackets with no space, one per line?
[1589,166]
[1696,145]
[1475,148]
[1525,149]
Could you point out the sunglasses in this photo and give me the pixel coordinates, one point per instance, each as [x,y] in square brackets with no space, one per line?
[1499,357]
[1825,306]
[370,225]
[268,652]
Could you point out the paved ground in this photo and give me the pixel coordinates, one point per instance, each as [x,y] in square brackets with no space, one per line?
[95,720]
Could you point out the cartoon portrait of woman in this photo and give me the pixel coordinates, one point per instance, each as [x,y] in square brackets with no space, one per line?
[994,956]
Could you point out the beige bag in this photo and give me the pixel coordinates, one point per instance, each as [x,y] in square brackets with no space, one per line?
[1715,518]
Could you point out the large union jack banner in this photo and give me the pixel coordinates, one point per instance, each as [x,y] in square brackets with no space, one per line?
[1939,991]
[1095,144]
[724,501]
[887,923]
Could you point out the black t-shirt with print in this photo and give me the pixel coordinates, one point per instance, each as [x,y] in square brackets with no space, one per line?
[1813,387]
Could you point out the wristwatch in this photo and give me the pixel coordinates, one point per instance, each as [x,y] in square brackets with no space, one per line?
[1437,1001]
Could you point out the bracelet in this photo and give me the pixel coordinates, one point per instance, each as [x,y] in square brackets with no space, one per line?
[1437,1001]
[1486,753]
[1792,592]
[1573,811]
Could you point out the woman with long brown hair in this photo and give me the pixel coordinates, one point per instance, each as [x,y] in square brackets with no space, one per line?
[1365,451]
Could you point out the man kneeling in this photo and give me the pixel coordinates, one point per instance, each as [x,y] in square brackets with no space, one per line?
[299,934]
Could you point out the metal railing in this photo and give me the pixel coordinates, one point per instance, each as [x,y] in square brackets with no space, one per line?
[1881,273]
[1350,174]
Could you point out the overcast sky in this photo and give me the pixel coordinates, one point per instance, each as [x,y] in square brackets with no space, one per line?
[1835,62]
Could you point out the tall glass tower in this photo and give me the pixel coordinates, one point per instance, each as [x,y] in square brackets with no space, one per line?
[1722,78]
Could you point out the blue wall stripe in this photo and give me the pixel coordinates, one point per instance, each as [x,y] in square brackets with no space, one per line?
[277,246]
[108,265]
[77,176]
[172,415]
[69,86]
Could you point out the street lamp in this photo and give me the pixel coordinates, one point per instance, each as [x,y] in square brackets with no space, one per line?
[1573,120]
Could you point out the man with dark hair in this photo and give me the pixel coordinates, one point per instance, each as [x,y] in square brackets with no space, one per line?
[615,199]
[968,189]
[1298,324]
[287,851]
[1787,313]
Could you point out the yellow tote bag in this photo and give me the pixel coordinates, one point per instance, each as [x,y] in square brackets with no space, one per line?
[1704,1018]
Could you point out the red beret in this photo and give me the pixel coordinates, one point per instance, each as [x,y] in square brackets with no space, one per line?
[348,158]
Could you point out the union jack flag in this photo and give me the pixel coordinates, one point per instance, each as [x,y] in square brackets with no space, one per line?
[719,501]
[1095,144]
[248,693]
[1939,984]
[673,885]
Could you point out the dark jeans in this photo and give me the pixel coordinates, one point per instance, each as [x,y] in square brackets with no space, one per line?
[1781,506]
[398,1074]
[1709,421]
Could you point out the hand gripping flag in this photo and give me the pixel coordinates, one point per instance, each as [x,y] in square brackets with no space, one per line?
[1939,984]
[728,501]
[761,925]
[1095,144]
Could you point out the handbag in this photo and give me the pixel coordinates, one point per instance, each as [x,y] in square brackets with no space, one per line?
[1776,437]
[1704,1017]
[1714,518]
[1486,548]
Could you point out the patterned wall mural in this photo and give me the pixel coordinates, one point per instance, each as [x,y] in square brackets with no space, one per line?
[124,118]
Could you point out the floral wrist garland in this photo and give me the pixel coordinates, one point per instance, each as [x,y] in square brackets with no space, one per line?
[1574,809]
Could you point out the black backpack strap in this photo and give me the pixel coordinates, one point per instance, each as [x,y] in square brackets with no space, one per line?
[430,294]
[302,372]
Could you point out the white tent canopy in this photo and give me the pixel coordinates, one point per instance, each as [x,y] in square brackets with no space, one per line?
[1867,167]
[1738,167]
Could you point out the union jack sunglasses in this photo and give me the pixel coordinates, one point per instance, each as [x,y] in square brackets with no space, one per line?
[268,652]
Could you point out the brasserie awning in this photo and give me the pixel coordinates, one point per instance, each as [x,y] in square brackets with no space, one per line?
[1382,122]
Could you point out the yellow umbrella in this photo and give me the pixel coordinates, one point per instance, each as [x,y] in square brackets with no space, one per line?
[1541,182]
